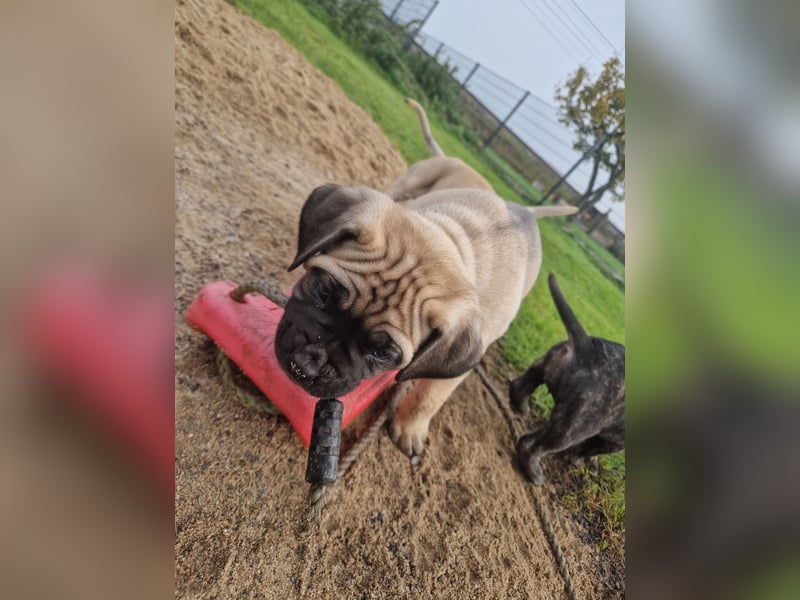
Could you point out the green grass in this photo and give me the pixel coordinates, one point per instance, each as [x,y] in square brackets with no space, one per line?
[605,261]
[596,299]
[602,495]
[512,174]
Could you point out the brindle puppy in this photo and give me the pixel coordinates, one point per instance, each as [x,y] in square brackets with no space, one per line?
[586,377]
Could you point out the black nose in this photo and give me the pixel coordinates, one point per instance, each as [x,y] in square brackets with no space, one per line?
[308,361]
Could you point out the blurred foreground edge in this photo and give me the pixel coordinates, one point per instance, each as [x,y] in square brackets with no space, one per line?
[109,342]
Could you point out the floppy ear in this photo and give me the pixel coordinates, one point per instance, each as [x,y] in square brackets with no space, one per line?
[446,354]
[324,220]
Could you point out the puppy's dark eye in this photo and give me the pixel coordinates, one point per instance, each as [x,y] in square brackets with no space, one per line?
[381,354]
[322,290]
[322,294]
[381,350]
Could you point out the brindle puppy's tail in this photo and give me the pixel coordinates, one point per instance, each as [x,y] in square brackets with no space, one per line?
[426,128]
[577,335]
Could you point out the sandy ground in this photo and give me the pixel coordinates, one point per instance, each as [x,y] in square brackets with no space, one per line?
[257,129]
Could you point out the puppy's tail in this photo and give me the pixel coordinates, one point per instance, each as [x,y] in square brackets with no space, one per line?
[577,335]
[552,211]
[426,128]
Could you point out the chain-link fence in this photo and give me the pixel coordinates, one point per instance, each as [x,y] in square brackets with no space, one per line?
[509,120]
[409,11]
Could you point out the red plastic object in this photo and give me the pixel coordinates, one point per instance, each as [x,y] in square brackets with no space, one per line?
[112,343]
[246,331]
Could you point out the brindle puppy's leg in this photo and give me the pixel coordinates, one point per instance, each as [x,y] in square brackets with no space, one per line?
[528,457]
[606,442]
[523,386]
[409,427]
[592,447]
[564,429]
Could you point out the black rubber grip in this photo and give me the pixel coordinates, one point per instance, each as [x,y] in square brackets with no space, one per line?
[326,436]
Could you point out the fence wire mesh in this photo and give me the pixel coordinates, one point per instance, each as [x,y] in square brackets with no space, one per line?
[532,128]
[515,125]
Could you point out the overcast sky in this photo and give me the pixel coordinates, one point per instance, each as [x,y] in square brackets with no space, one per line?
[511,37]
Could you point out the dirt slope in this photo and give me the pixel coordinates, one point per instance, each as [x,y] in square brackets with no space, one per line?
[257,129]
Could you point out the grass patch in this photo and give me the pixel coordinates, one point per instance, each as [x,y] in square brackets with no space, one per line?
[520,184]
[596,299]
[602,258]
[601,499]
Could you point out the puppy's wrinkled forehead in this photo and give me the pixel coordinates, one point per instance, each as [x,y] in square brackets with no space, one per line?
[396,274]
[375,299]
[369,275]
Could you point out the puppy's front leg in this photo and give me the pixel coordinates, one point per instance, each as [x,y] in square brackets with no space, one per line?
[409,427]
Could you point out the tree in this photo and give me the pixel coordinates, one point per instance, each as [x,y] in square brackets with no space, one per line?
[595,110]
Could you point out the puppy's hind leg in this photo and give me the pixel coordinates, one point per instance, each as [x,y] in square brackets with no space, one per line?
[592,448]
[565,429]
[523,386]
[416,182]
[528,458]
[609,440]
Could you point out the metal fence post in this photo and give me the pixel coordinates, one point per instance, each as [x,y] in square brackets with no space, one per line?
[586,155]
[421,23]
[471,73]
[503,124]
[394,12]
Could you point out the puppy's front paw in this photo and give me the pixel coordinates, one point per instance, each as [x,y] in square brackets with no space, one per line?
[518,398]
[409,436]
[528,458]
[532,470]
